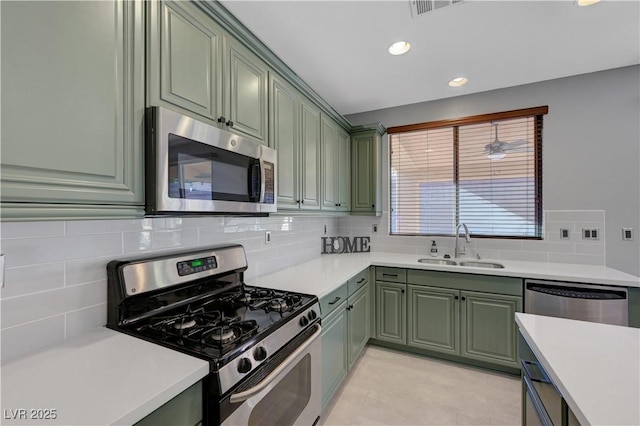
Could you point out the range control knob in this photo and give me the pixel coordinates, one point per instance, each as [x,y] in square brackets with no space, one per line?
[312,315]
[260,353]
[304,321]
[244,365]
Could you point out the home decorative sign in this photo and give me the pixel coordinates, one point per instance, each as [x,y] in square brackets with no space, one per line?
[339,245]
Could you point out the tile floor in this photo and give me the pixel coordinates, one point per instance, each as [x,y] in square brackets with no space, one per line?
[393,388]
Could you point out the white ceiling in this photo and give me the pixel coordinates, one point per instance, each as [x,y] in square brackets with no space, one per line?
[340,47]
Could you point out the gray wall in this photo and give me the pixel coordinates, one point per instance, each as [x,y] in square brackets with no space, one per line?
[591,145]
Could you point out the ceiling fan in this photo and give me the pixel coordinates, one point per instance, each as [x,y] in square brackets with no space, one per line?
[497,149]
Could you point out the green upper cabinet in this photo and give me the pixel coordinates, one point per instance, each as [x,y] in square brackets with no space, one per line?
[343,183]
[245,82]
[72,109]
[335,166]
[194,65]
[310,143]
[185,60]
[365,171]
[295,134]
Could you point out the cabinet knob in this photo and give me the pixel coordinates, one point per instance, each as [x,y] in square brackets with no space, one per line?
[455,297]
[402,291]
[337,204]
[221,119]
[230,123]
[302,201]
[464,298]
[373,205]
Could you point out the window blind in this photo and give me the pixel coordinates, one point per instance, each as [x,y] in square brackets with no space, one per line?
[441,176]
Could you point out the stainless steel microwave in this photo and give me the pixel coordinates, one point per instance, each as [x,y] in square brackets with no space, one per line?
[194,167]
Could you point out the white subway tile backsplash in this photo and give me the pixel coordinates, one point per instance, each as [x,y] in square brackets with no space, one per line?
[32,279]
[83,320]
[56,271]
[36,306]
[31,229]
[581,259]
[526,256]
[32,251]
[31,336]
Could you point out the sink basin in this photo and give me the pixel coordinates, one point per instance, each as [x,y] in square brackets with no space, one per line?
[482,264]
[437,261]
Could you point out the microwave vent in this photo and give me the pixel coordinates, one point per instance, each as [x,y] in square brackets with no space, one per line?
[421,7]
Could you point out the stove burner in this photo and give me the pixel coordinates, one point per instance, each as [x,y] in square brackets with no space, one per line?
[278,305]
[223,334]
[185,324]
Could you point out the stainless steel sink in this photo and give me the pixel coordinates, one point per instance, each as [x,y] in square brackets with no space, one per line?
[437,261]
[482,264]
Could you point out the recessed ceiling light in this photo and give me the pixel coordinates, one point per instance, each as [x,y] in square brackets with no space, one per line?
[399,47]
[458,81]
[586,2]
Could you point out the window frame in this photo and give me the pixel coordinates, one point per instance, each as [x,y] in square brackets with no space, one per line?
[536,112]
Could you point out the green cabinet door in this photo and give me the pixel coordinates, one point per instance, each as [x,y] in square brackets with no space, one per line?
[285,139]
[329,132]
[343,170]
[365,172]
[433,319]
[183,410]
[390,312]
[72,109]
[334,351]
[488,327]
[310,154]
[245,91]
[184,59]
[358,315]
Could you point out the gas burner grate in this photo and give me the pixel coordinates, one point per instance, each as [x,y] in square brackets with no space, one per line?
[229,332]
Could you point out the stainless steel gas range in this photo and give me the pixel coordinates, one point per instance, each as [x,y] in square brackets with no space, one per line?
[263,345]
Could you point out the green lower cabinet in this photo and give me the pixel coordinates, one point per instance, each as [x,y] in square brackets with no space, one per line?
[358,322]
[183,410]
[391,312]
[433,319]
[488,327]
[334,351]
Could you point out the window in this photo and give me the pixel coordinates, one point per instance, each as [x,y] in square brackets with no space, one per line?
[484,171]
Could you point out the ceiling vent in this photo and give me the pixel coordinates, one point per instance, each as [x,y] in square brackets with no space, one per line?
[421,7]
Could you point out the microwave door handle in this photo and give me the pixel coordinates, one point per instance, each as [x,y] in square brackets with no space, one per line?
[244,395]
[255,188]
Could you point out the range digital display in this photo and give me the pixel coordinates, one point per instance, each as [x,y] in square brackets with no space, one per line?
[193,266]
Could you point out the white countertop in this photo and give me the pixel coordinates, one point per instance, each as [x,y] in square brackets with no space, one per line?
[322,275]
[596,367]
[103,377]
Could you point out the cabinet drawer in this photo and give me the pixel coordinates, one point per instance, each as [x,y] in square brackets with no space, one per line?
[358,281]
[394,275]
[482,283]
[332,300]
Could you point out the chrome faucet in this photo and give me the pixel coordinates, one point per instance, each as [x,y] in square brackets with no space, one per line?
[458,252]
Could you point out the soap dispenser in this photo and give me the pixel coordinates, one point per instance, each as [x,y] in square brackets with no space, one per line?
[434,248]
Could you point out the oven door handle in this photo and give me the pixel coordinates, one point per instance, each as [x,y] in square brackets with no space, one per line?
[244,395]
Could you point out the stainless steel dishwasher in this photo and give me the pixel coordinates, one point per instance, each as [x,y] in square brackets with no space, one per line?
[596,303]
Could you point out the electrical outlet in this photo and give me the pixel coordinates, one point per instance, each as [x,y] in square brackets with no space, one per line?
[375,228]
[267,237]
[325,230]
[627,234]
[564,234]
[590,233]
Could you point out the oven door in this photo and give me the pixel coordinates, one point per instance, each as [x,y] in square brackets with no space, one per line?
[288,395]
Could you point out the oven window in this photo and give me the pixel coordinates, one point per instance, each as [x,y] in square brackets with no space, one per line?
[286,401]
[204,172]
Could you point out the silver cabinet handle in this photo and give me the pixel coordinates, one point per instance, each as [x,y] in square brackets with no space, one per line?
[243,396]
[1,270]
